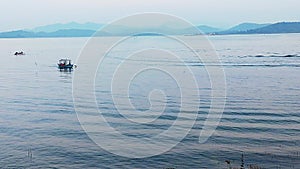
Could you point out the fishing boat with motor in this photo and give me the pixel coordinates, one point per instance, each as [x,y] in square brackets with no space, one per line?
[65,64]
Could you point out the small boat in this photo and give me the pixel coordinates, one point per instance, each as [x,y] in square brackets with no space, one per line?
[65,64]
[19,53]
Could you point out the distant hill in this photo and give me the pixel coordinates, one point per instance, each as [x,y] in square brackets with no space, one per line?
[246,27]
[69,33]
[282,27]
[114,30]
[78,30]
[71,25]
[208,29]
[59,33]
[17,34]
[96,26]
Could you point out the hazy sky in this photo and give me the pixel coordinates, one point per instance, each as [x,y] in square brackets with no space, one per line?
[18,14]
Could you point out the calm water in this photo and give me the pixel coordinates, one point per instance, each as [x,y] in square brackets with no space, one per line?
[261,118]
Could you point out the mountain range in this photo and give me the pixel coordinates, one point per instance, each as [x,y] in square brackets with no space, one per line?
[242,27]
[71,25]
[74,29]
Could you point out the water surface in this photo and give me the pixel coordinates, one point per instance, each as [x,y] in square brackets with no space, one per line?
[261,118]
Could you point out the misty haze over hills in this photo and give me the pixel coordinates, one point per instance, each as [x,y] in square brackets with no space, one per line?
[74,29]
[71,25]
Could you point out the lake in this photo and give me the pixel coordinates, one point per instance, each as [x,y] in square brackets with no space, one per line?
[39,127]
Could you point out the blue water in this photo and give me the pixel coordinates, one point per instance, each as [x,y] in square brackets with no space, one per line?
[261,119]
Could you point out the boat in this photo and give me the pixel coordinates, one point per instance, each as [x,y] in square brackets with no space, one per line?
[65,64]
[19,53]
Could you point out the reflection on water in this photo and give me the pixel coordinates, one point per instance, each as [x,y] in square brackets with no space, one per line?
[67,71]
[66,75]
